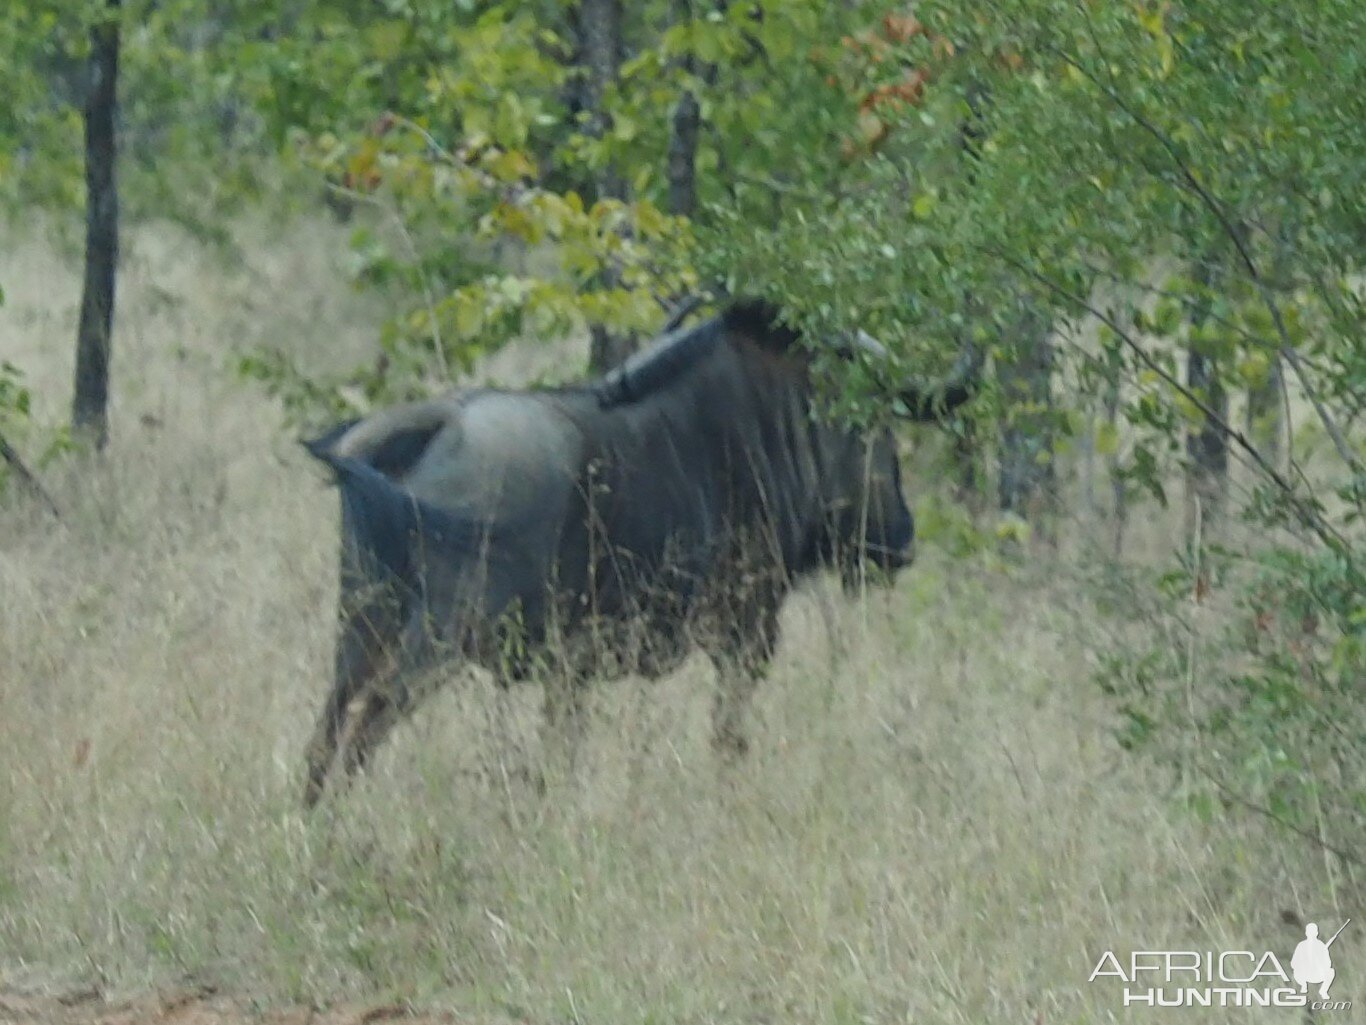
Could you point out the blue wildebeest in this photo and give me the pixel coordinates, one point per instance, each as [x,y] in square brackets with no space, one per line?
[603,528]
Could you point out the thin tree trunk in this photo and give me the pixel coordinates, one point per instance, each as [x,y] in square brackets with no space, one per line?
[600,36]
[1119,492]
[90,405]
[968,485]
[1266,424]
[972,130]
[607,349]
[684,128]
[1088,469]
[1266,414]
[1207,445]
[1027,475]
[600,28]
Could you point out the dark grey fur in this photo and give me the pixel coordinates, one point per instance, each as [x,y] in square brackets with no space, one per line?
[596,530]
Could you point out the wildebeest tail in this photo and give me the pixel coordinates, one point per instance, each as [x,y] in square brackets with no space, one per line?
[389,527]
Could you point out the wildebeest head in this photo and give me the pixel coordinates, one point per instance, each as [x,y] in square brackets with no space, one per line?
[871,532]
[871,527]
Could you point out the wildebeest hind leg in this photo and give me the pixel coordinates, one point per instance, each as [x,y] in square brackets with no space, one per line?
[392,695]
[563,723]
[376,687]
[369,720]
[735,689]
[361,654]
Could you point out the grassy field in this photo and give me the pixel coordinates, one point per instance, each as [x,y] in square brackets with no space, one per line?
[934,824]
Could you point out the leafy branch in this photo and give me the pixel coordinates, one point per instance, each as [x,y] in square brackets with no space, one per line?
[1328,534]
[1239,242]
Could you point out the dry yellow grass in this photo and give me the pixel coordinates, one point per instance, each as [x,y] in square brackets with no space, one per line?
[933,826]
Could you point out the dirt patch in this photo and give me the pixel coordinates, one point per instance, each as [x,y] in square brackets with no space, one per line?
[197,1007]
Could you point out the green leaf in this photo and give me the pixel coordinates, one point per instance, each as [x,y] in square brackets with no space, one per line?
[1107,439]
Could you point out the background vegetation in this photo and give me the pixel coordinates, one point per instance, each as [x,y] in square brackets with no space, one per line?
[1150,215]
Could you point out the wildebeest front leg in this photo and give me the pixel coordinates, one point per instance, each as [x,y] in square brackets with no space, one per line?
[563,724]
[742,659]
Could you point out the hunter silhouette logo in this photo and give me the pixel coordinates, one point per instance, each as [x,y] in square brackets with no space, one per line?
[1312,964]
[1229,978]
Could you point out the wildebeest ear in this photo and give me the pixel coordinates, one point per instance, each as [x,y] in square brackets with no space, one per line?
[762,322]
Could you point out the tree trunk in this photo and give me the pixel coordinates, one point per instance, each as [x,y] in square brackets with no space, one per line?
[1119,491]
[1027,474]
[600,36]
[970,461]
[972,130]
[1207,445]
[600,29]
[1266,420]
[90,405]
[1266,414]
[684,128]
[607,349]
[687,120]
[968,485]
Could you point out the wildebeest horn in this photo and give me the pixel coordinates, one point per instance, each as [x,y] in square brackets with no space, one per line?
[867,343]
[924,403]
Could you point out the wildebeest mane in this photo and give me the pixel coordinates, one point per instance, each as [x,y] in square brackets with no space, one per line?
[761,321]
[666,360]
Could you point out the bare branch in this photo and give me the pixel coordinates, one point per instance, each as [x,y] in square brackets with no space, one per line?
[1325,415]
[27,477]
[1299,831]
[685,309]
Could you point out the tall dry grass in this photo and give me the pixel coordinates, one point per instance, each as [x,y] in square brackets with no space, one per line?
[933,824]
